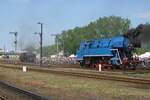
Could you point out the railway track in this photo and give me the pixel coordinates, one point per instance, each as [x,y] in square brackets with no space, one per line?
[38,64]
[24,92]
[2,98]
[85,75]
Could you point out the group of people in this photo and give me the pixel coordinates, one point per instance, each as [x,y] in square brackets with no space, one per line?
[60,60]
[146,62]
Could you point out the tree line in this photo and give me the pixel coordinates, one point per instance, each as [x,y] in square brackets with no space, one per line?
[69,40]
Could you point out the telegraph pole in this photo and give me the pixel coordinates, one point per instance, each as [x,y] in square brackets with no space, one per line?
[15,42]
[41,42]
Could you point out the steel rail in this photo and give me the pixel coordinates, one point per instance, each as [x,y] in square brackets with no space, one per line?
[22,91]
[85,75]
[2,98]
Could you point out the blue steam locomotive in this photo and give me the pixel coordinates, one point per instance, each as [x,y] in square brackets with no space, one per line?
[115,52]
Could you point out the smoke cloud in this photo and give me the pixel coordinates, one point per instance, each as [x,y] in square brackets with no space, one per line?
[139,35]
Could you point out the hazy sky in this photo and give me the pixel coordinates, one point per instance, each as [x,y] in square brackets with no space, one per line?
[58,15]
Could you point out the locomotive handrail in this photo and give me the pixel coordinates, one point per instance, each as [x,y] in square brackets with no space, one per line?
[118,55]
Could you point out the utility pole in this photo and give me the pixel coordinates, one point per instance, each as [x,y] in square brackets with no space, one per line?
[41,42]
[15,42]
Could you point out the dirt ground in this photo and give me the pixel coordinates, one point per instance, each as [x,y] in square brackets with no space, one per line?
[59,87]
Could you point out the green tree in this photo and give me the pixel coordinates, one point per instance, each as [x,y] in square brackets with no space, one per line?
[103,27]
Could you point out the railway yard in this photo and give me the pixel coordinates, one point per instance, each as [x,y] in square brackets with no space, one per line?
[69,82]
[74,50]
